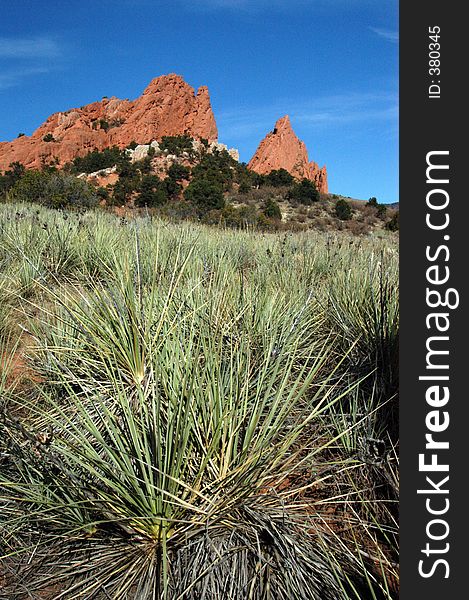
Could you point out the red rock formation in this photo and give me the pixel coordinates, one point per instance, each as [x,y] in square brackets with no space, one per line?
[168,106]
[281,149]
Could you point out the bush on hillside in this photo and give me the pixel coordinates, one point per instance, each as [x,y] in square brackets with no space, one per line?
[381,211]
[205,195]
[393,223]
[123,190]
[241,217]
[102,193]
[104,125]
[218,167]
[172,188]
[179,210]
[177,144]
[303,192]
[97,160]
[343,210]
[152,192]
[278,177]
[128,170]
[244,187]
[10,177]
[143,165]
[54,190]
[272,210]
[178,172]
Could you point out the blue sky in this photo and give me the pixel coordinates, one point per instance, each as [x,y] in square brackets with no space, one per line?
[332,65]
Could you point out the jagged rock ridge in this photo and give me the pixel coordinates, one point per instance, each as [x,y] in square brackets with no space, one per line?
[281,149]
[168,106]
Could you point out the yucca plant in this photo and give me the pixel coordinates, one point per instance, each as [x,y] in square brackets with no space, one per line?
[173,470]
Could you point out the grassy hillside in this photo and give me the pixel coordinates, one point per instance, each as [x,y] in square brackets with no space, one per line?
[321,215]
[181,181]
[195,412]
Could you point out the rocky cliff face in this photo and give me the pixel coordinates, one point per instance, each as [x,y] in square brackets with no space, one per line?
[168,106]
[281,149]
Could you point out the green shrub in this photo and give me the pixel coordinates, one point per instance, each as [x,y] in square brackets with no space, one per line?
[152,192]
[54,190]
[257,179]
[214,217]
[128,170]
[172,187]
[244,187]
[66,191]
[233,217]
[380,208]
[102,193]
[10,177]
[279,177]
[143,165]
[393,223]
[272,210]
[381,211]
[205,195]
[343,210]
[179,210]
[97,160]
[48,138]
[218,168]
[31,187]
[51,165]
[104,124]
[178,172]
[177,144]
[124,189]
[304,192]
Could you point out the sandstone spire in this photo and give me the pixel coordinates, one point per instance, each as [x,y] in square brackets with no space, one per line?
[281,149]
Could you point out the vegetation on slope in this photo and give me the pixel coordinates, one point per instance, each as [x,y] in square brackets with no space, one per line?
[196,182]
[208,413]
